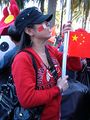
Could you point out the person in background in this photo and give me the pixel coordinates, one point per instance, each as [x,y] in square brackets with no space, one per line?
[88,63]
[15,37]
[83,75]
[88,68]
[33,27]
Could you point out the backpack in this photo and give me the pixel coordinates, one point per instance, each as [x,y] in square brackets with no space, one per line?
[75,102]
[10,108]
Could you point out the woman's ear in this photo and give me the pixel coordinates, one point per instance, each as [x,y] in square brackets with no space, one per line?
[29,31]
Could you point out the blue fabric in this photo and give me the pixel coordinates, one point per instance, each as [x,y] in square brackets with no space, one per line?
[61,48]
[75,102]
[5,61]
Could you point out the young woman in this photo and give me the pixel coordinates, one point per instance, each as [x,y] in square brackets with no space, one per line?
[35,31]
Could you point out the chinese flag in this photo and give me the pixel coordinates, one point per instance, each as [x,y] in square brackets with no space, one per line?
[79,44]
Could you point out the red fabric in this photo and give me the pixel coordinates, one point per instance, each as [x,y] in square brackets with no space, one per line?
[14,9]
[24,78]
[8,17]
[79,44]
[73,63]
[5,14]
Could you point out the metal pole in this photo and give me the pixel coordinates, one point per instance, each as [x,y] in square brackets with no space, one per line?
[66,36]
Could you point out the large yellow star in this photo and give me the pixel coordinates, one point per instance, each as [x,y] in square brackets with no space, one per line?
[74,38]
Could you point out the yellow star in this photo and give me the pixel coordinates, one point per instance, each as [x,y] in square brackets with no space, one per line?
[74,38]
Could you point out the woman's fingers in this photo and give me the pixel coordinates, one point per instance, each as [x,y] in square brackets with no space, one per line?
[62,83]
[67,27]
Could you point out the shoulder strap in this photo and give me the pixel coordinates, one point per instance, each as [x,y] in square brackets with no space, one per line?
[32,57]
[52,67]
[33,61]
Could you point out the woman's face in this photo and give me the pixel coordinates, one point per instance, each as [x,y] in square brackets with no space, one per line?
[42,31]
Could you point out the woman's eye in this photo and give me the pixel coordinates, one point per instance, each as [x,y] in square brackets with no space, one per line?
[4,46]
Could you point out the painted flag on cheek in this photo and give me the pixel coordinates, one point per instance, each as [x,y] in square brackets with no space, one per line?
[79,44]
[40,28]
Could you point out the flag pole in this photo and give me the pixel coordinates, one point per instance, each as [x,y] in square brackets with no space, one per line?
[66,39]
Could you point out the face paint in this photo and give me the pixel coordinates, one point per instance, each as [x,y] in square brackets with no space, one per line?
[42,27]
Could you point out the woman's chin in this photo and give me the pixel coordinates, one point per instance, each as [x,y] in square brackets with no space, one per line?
[47,37]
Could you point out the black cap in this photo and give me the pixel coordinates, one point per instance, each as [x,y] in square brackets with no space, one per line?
[30,16]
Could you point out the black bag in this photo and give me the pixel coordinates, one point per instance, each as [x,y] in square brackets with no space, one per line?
[27,114]
[10,108]
[22,114]
[75,102]
[8,98]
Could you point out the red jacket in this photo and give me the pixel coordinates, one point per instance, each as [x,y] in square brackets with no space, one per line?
[25,79]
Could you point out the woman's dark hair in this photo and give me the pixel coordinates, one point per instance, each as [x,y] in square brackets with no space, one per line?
[25,40]
[12,32]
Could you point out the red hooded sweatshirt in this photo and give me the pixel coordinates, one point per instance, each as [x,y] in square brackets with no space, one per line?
[48,93]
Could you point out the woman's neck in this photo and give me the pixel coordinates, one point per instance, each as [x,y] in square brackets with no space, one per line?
[39,48]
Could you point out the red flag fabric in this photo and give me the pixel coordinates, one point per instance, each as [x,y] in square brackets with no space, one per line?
[9,17]
[79,44]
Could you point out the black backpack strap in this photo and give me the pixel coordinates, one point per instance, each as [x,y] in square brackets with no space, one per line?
[33,61]
[52,67]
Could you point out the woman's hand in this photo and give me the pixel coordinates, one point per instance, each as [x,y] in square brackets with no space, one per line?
[62,83]
[67,27]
